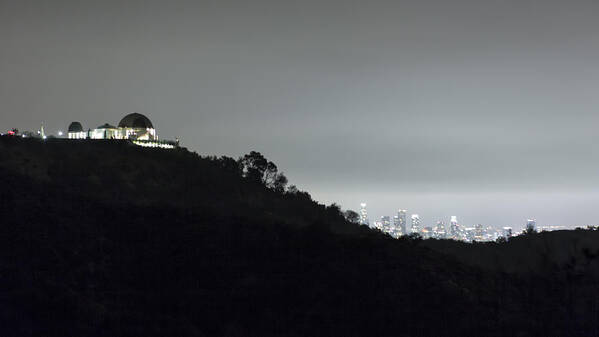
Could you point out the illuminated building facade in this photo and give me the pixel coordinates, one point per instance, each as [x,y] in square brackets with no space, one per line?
[454,228]
[75,131]
[105,131]
[531,223]
[479,232]
[439,232]
[386,224]
[134,126]
[401,218]
[364,215]
[415,224]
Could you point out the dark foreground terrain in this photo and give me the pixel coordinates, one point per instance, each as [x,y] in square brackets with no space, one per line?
[108,239]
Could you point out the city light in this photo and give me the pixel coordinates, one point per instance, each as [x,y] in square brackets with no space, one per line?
[448,227]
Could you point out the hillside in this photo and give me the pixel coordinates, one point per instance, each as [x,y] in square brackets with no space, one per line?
[109,239]
[117,172]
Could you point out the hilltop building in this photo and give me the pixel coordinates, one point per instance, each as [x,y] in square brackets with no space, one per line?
[75,131]
[134,126]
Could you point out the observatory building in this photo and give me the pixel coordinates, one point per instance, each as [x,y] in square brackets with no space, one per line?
[76,131]
[134,126]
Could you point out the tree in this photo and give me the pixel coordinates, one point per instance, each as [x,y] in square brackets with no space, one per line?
[351,216]
[270,174]
[333,209]
[229,164]
[292,189]
[280,182]
[255,167]
[414,237]
[501,239]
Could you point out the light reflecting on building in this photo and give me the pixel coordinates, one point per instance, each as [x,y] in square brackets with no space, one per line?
[454,228]
[531,223]
[401,215]
[439,232]
[386,224]
[415,224]
[479,233]
[134,127]
[364,215]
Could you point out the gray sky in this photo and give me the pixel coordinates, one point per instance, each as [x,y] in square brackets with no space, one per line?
[482,109]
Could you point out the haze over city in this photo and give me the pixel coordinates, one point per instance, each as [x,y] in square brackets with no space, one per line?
[482,109]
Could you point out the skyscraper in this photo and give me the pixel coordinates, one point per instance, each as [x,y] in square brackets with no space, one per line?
[439,231]
[454,228]
[479,232]
[396,230]
[386,224]
[531,223]
[364,215]
[415,223]
[401,217]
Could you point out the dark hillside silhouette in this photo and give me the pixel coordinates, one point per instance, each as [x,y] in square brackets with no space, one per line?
[109,239]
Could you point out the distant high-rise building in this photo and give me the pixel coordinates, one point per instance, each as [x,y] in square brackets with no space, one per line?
[401,217]
[507,232]
[364,215]
[386,224]
[531,223]
[454,228]
[396,229]
[415,224]
[468,234]
[439,231]
[479,232]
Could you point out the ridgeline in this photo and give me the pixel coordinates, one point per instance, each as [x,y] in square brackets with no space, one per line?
[104,238]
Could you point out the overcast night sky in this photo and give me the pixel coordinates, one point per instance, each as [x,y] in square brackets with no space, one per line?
[487,110]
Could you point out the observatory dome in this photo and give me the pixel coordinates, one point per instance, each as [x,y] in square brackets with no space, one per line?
[136,121]
[75,127]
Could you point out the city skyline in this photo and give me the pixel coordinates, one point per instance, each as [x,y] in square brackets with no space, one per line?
[453,229]
[447,220]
